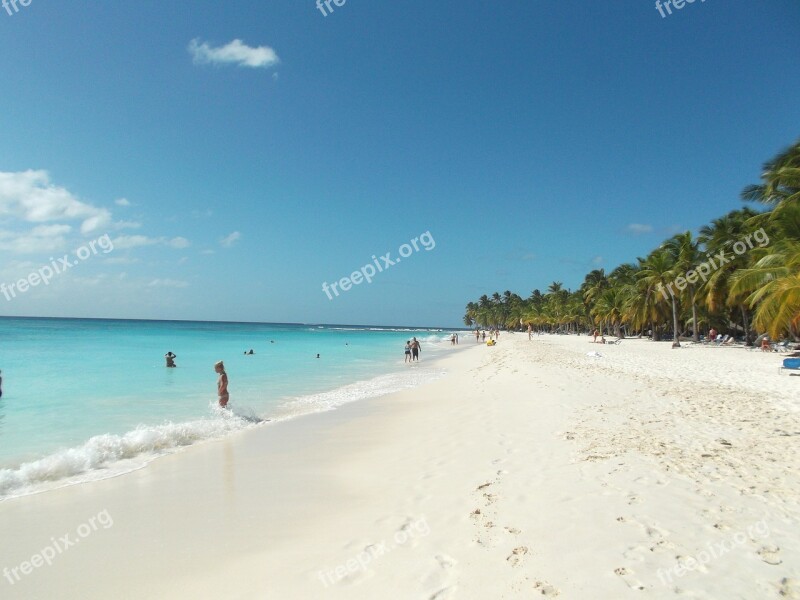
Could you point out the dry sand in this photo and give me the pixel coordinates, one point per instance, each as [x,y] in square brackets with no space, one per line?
[529,470]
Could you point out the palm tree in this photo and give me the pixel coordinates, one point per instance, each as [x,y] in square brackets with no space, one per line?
[686,256]
[656,277]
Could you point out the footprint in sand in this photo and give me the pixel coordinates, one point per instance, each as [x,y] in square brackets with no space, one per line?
[770,555]
[516,555]
[545,589]
[629,578]
[483,485]
[513,530]
[789,588]
[441,576]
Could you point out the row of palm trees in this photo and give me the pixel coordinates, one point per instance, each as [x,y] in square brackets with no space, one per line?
[740,275]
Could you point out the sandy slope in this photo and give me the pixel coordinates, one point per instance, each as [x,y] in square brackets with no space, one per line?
[530,470]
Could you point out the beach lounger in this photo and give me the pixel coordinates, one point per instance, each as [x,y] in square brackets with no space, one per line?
[720,341]
[790,364]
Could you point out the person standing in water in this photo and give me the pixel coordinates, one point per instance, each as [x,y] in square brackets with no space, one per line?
[222,384]
[170,359]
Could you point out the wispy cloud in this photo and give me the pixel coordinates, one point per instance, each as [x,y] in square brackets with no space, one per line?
[179,242]
[233,53]
[639,228]
[122,202]
[126,242]
[127,225]
[168,283]
[29,195]
[231,239]
[43,238]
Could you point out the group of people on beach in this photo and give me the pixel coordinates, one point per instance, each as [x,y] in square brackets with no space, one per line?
[412,350]
[480,335]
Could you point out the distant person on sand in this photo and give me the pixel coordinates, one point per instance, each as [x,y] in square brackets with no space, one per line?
[477,336]
[456,339]
[408,351]
[712,334]
[171,359]
[595,333]
[483,336]
[765,345]
[453,340]
[530,330]
[415,349]
[222,384]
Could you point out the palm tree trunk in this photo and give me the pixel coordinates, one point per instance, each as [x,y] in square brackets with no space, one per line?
[746,322]
[676,343]
[695,329]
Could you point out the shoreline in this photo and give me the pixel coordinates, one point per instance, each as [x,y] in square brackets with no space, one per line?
[139,447]
[504,478]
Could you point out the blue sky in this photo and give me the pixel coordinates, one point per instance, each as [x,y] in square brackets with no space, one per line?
[534,140]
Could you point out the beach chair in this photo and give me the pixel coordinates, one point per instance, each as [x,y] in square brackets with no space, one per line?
[790,364]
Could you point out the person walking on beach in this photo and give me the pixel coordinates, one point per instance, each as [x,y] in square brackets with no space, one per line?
[478,336]
[222,384]
[453,340]
[530,330]
[456,339]
[415,349]
[483,336]
[408,351]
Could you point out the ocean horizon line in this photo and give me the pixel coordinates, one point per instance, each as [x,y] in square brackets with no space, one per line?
[310,324]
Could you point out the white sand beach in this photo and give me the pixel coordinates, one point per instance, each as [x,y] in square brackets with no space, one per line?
[530,469]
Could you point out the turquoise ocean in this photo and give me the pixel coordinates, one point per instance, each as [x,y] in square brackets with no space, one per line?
[85,399]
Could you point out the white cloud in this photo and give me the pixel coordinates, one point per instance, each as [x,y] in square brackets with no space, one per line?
[234,52]
[170,283]
[29,195]
[597,260]
[179,242]
[122,202]
[639,228]
[43,238]
[127,225]
[125,242]
[121,260]
[231,239]
[208,252]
